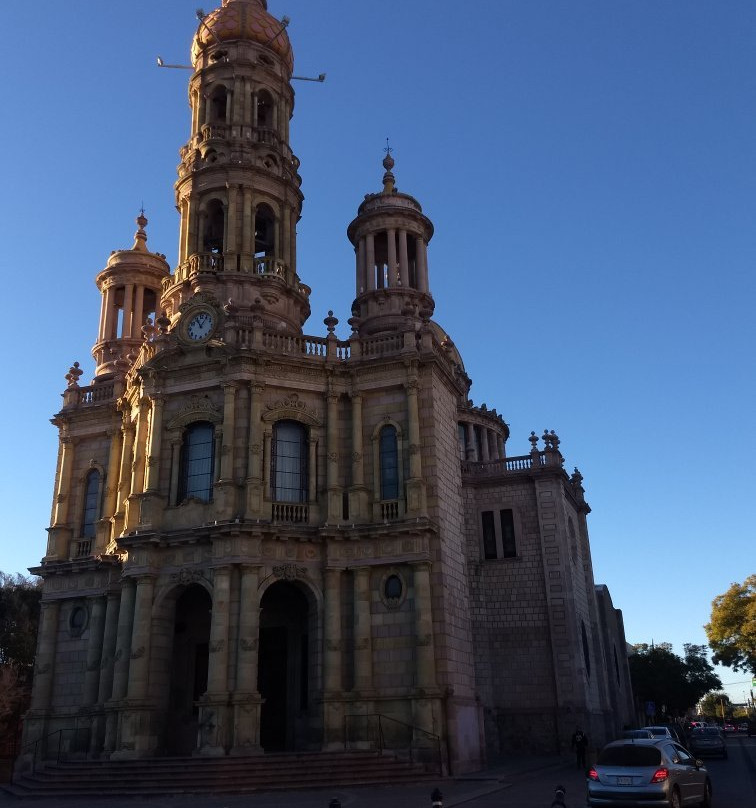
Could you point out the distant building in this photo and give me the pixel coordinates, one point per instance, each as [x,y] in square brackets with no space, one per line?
[262,540]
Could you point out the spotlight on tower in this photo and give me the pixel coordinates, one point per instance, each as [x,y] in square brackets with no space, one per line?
[321,78]
[161,63]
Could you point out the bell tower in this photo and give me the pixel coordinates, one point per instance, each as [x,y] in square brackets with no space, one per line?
[238,190]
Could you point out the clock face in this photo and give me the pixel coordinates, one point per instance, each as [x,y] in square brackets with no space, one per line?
[200,326]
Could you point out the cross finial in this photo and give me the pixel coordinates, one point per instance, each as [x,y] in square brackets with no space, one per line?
[388,148]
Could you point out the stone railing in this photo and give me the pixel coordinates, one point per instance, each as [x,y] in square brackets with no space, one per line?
[290,513]
[389,510]
[507,465]
[90,396]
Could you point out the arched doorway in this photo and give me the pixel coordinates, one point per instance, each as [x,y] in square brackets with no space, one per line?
[189,661]
[285,676]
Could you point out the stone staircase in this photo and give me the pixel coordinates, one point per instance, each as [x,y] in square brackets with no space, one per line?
[228,775]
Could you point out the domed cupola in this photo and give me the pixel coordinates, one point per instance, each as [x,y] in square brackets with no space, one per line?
[238,188]
[390,237]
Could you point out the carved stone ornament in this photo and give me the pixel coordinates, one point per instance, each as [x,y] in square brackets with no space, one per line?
[424,639]
[216,647]
[291,407]
[289,572]
[137,653]
[186,576]
[248,645]
[198,408]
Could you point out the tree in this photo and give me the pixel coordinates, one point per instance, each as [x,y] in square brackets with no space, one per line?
[19,616]
[732,630]
[712,703]
[669,681]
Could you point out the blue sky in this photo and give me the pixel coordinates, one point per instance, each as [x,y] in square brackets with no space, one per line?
[590,169]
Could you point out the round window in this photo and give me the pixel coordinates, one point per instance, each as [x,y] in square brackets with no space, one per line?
[392,589]
[77,621]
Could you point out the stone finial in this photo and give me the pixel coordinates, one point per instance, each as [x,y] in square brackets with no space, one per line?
[388,163]
[162,323]
[330,322]
[140,237]
[73,375]
[577,478]
[554,439]
[533,442]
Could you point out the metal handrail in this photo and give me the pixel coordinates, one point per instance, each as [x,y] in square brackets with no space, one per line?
[379,720]
[44,740]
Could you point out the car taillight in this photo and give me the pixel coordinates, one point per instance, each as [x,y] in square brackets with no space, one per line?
[660,775]
[592,774]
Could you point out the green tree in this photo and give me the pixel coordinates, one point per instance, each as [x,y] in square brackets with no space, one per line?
[19,615]
[732,630]
[671,682]
[712,703]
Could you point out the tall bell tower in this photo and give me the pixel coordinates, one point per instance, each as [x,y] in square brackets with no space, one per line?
[238,190]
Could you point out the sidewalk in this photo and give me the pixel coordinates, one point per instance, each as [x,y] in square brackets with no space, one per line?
[465,789]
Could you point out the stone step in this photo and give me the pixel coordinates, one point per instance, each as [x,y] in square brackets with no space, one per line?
[165,776]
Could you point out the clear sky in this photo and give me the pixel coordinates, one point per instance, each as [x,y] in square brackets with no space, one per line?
[590,169]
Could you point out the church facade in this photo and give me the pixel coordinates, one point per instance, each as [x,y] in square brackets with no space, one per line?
[263,540]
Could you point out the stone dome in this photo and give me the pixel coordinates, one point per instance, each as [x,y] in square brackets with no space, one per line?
[243,19]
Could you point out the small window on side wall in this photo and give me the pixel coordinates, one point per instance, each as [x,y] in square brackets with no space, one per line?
[389,461]
[197,450]
[91,504]
[498,534]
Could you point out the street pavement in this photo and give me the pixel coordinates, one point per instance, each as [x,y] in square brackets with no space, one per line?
[518,782]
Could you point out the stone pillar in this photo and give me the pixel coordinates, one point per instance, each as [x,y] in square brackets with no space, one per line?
[246,699]
[403,260]
[226,471]
[63,494]
[231,219]
[127,324]
[358,494]
[213,729]
[425,658]
[335,503]
[363,644]
[421,262]
[109,312]
[332,696]
[415,483]
[312,447]
[153,447]
[110,504]
[94,651]
[44,667]
[370,261]
[121,661]
[392,262]
[267,485]
[254,452]
[175,469]
[248,226]
[105,685]
[361,275]
[471,450]
[484,444]
[138,319]
[140,643]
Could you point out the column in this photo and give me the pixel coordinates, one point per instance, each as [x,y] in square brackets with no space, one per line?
[217,674]
[312,445]
[335,504]
[63,494]
[254,451]
[293,244]
[358,461]
[44,667]
[286,239]
[424,652]
[109,647]
[231,219]
[267,489]
[94,651]
[361,275]
[140,642]
[109,327]
[249,631]
[363,647]
[153,447]
[138,312]
[123,639]
[413,418]
[471,450]
[403,259]
[392,263]
[226,470]
[137,474]
[110,505]
[332,609]
[248,223]
[421,260]
[370,261]
[127,325]
[175,469]
[484,435]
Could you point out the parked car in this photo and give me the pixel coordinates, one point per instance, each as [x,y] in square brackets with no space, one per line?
[661,732]
[707,741]
[649,772]
[638,733]
[729,728]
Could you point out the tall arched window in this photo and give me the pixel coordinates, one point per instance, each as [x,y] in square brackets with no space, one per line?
[213,237]
[91,504]
[389,463]
[218,105]
[265,110]
[289,472]
[265,232]
[197,450]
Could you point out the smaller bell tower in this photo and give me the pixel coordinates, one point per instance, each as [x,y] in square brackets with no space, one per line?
[130,286]
[390,237]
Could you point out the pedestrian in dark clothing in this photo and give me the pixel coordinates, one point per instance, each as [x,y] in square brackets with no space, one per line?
[580,744]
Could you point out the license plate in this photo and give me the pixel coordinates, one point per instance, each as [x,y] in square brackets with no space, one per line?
[624,781]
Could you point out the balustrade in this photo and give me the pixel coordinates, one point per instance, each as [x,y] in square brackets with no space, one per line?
[507,465]
[379,346]
[96,394]
[291,513]
[81,549]
[389,510]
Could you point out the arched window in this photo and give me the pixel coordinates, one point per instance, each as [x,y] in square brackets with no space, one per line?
[215,227]
[265,110]
[218,105]
[265,228]
[197,450]
[389,463]
[289,473]
[91,504]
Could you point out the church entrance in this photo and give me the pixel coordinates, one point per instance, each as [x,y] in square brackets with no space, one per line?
[284,668]
[188,680]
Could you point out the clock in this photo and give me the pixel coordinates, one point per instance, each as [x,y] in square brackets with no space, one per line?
[200,326]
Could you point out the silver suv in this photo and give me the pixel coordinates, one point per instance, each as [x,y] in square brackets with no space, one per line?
[641,772]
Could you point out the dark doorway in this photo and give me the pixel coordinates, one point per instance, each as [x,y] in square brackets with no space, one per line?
[191,634]
[283,675]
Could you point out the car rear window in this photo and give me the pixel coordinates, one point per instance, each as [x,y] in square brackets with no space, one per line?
[707,731]
[630,755]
